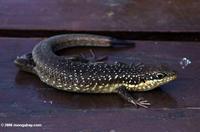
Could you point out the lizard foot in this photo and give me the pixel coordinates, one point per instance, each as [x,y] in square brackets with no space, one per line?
[141,102]
[93,58]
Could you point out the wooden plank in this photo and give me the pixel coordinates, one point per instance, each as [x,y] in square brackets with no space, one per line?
[126,120]
[95,15]
[175,106]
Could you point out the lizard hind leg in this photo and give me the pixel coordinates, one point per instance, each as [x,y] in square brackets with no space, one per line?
[25,63]
[93,58]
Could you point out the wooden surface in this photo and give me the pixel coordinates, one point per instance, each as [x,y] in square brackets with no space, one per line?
[170,31]
[175,106]
[101,15]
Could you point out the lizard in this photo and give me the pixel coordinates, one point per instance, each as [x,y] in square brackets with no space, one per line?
[85,75]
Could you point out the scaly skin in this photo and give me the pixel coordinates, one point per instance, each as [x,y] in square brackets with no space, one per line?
[78,74]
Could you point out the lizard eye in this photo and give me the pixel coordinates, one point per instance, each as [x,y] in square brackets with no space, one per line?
[160,75]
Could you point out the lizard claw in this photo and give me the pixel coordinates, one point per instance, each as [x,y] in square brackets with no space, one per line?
[141,102]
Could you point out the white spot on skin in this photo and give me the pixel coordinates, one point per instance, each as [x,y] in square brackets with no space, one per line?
[87,85]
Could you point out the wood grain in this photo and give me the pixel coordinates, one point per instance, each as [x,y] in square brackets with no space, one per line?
[104,15]
[175,106]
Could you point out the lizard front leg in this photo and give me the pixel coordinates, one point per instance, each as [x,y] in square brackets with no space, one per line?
[124,93]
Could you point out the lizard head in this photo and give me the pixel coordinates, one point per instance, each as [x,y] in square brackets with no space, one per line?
[152,77]
[25,62]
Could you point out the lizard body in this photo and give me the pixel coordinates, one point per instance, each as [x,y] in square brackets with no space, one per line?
[78,74]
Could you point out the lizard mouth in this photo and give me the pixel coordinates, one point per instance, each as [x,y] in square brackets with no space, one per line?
[151,84]
[167,79]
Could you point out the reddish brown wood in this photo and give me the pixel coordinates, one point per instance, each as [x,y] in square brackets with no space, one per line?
[175,106]
[101,15]
[126,120]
